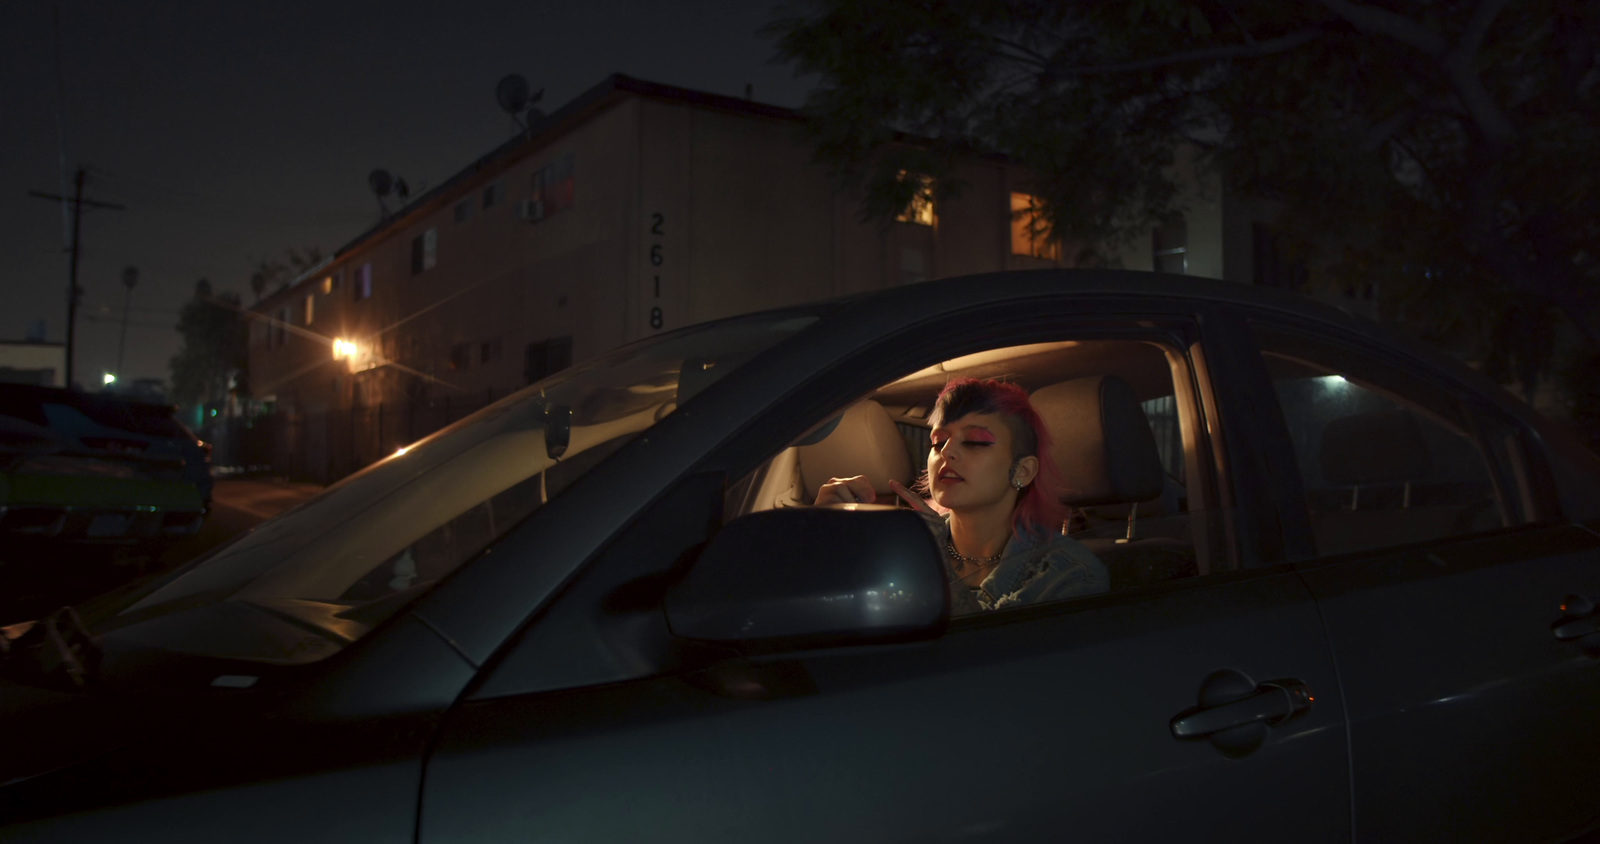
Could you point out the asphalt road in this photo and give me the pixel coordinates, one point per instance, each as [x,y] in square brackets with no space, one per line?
[38,578]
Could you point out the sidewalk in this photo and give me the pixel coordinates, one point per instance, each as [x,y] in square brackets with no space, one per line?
[260,499]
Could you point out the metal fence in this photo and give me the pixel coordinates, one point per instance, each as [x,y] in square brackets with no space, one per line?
[324,446]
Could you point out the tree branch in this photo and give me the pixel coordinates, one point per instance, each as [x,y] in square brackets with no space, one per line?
[1477,28]
[1261,48]
[1487,115]
[1384,22]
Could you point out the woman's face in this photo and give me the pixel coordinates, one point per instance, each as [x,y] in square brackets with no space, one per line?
[970,464]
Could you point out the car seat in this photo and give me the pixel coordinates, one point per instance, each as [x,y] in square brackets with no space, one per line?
[863,440]
[1102,446]
[1377,449]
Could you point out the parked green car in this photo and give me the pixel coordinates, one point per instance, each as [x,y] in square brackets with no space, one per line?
[52,487]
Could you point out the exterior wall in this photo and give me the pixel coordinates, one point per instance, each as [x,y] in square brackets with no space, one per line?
[687,208]
[44,364]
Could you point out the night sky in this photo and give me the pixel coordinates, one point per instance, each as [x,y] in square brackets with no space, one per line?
[231,132]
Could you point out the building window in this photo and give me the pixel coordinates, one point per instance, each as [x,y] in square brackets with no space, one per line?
[494,194]
[463,210]
[460,356]
[1170,246]
[920,209]
[548,357]
[555,186]
[1029,232]
[424,251]
[489,351]
[363,285]
[1269,266]
[327,285]
[333,282]
[311,300]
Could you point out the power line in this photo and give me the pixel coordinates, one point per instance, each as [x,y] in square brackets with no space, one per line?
[196,204]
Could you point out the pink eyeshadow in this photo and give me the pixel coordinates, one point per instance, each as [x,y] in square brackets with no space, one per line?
[979,435]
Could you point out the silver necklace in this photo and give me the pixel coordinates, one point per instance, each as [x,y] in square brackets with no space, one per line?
[962,560]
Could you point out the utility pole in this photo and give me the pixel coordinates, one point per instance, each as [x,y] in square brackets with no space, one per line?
[78,204]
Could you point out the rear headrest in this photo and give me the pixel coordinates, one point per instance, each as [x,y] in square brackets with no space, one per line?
[1382,447]
[865,442]
[1101,441]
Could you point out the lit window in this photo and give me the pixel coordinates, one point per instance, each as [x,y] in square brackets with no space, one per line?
[424,251]
[363,285]
[1029,235]
[310,308]
[280,328]
[327,285]
[920,210]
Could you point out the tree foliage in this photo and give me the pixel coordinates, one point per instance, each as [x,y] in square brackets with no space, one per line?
[1442,149]
[278,272]
[215,344]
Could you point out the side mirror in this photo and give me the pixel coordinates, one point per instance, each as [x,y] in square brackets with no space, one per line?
[814,577]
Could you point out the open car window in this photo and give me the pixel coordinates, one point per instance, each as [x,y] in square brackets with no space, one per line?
[1167,530]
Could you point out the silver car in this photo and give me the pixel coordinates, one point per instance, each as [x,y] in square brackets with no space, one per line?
[1353,597]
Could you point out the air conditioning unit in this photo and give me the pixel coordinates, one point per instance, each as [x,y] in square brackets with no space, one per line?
[530,210]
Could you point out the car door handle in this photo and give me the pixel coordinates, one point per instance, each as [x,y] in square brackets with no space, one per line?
[1272,703]
[1576,628]
[1579,619]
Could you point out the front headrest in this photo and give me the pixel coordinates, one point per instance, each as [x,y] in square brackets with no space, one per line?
[1382,447]
[1100,441]
[865,442]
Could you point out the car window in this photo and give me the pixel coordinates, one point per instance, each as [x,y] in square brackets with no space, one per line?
[1138,510]
[1387,456]
[344,561]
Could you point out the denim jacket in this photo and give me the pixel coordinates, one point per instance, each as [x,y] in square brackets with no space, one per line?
[1031,569]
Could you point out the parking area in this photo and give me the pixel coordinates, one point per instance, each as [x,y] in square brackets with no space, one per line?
[41,576]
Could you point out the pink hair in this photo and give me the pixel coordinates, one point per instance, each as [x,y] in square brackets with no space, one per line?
[1039,510]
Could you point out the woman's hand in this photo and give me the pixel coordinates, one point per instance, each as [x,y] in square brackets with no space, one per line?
[854,490]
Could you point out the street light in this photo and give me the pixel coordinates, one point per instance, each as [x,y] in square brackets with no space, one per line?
[110,379]
[343,348]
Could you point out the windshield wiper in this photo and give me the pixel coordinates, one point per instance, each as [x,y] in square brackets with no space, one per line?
[57,644]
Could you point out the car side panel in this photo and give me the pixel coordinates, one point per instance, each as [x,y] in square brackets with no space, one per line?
[1469,720]
[1039,724]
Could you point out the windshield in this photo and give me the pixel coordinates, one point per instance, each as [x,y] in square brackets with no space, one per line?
[321,575]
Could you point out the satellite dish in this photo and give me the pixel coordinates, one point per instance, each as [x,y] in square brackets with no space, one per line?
[512,94]
[380,181]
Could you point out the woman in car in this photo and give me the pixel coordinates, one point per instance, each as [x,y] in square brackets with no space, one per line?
[996,507]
